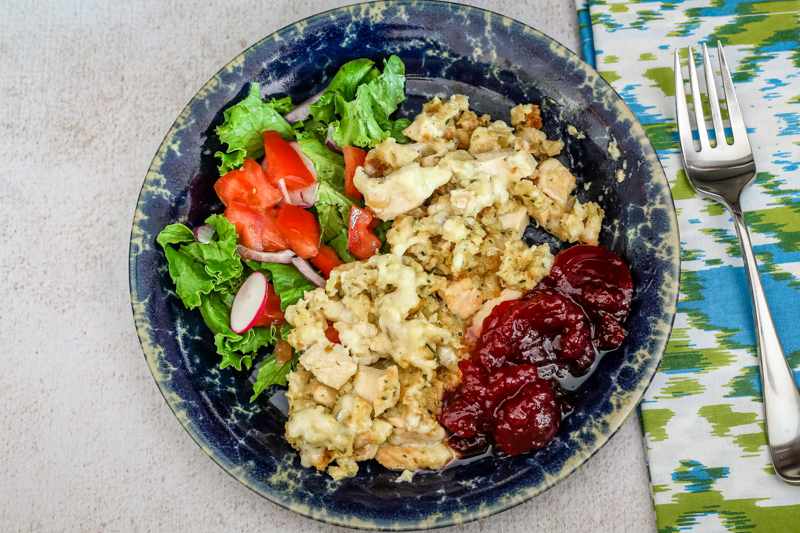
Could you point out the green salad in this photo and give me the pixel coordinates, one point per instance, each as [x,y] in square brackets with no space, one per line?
[296,205]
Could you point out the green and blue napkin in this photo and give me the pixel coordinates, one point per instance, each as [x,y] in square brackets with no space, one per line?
[703,418]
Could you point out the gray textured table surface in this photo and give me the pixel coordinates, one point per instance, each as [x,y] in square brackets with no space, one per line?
[87,92]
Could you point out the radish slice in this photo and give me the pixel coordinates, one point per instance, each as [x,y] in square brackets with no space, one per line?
[203,234]
[249,302]
[284,257]
[306,161]
[330,143]
[302,111]
[306,270]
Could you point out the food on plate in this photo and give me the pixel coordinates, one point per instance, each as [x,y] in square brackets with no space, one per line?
[572,314]
[460,197]
[384,260]
[283,188]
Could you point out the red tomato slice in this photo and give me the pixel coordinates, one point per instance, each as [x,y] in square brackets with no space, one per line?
[332,335]
[326,260]
[272,238]
[301,229]
[231,190]
[248,186]
[361,241]
[249,223]
[283,163]
[272,314]
[354,157]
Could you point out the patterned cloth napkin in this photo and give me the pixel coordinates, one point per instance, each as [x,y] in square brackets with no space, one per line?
[703,418]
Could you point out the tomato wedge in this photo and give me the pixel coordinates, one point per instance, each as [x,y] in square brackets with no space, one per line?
[326,260]
[332,334]
[354,157]
[249,223]
[272,238]
[284,163]
[272,314]
[361,241]
[301,230]
[248,186]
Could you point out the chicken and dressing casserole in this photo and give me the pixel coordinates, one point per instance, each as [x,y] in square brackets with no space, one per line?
[460,196]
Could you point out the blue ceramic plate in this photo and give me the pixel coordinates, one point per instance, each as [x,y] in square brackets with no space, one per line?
[447,48]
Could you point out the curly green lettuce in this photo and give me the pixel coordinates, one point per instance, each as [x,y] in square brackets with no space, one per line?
[207,276]
[365,118]
[245,124]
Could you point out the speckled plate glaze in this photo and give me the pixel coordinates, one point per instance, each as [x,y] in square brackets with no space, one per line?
[447,48]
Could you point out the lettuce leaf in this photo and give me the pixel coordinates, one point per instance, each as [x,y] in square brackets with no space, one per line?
[190,277]
[197,269]
[328,164]
[380,232]
[208,276]
[365,119]
[344,84]
[231,160]
[333,214]
[396,128]
[245,124]
[271,373]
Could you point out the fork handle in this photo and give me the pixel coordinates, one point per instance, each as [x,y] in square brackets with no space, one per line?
[781,398]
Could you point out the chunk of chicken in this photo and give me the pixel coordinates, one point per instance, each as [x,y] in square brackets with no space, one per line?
[379,387]
[388,156]
[517,220]
[557,211]
[556,181]
[476,328]
[432,456]
[323,395]
[463,298]
[401,191]
[330,363]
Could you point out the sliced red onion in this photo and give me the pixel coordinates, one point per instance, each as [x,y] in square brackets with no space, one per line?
[306,270]
[203,234]
[309,195]
[330,143]
[284,257]
[285,192]
[306,161]
[302,111]
[303,198]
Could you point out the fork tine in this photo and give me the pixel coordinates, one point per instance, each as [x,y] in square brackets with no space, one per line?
[713,101]
[684,126]
[697,103]
[734,113]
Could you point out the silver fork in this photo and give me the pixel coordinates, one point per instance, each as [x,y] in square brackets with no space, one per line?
[721,173]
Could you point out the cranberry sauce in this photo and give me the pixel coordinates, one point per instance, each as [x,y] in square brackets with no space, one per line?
[509,393]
